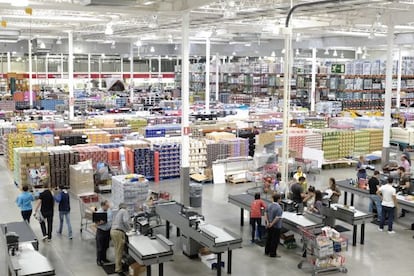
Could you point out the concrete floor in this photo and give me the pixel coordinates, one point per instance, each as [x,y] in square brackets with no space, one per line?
[382,254]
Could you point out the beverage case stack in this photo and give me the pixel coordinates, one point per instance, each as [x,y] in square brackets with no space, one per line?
[31,167]
[330,145]
[94,153]
[346,143]
[130,189]
[17,140]
[375,139]
[60,159]
[362,141]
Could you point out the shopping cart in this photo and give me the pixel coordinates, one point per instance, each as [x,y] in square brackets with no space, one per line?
[322,253]
[88,203]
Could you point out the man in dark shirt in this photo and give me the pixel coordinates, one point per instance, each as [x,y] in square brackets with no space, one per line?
[298,194]
[404,185]
[64,210]
[374,184]
[273,219]
[46,204]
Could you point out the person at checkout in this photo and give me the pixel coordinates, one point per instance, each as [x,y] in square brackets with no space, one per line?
[298,194]
[120,226]
[299,173]
[103,233]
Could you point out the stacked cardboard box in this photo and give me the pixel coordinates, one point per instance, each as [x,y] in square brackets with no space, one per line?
[131,190]
[98,137]
[81,178]
[330,144]
[217,136]
[5,128]
[198,155]
[237,147]
[346,143]
[60,159]
[314,141]
[144,162]
[216,151]
[31,167]
[94,153]
[25,127]
[137,124]
[17,140]
[375,139]
[362,140]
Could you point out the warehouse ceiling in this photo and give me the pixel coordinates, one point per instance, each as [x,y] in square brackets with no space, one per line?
[242,22]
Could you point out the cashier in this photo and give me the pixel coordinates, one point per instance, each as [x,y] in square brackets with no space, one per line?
[299,173]
[103,234]
[298,193]
[120,226]
[404,185]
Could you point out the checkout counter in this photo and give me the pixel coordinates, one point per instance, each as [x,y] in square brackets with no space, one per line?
[148,251]
[196,233]
[291,220]
[22,256]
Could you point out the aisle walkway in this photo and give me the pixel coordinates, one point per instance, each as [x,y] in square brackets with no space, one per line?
[383,254]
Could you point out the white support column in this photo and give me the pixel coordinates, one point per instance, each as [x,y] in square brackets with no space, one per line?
[100,74]
[388,95]
[131,74]
[313,83]
[30,74]
[399,79]
[121,59]
[159,71]
[217,77]
[71,83]
[8,62]
[89,74]
[185,122]
[47,68]
[286,104]
[150,65]
[61,68]
[207,95]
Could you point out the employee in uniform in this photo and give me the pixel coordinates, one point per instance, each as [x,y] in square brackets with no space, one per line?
[120,225]
[103,234]
[273,219]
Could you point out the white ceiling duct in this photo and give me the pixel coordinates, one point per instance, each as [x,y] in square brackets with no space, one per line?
[108,2]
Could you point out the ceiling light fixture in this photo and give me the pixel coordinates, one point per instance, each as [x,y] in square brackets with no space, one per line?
[335,53]
[109,30]
[19,3]
[42,45]
[248,44]
[113,46]
[102,55]
[298,37]
[59,41]
[359,51]
[326,53]
[364,56]
[283,51]
[297,52]
[342,54]
[273,54]
[233,54]
[152,49]
[147,3]
[371,35]
[138,43]
[175,47]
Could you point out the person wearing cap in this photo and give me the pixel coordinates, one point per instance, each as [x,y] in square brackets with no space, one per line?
[120,225]
[256,215]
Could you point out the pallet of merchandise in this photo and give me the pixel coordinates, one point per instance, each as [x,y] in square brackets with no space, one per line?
[17,140]
[362,140]
[137,123]
[25,127]
[7,105]
[31,167]
[60,160]
[375,139]
[217,136]
[346,143]
[94,153]
[313,140]
[98,137]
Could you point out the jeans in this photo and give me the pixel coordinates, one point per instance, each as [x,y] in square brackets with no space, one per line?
[65,215]
[26,215]
[272,242]
[253,223]
[48,217]
[387,212]
[118,238]
[375,199]
[102,244]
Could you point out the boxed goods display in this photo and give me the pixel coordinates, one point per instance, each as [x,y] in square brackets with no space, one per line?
[17,140]
[60,159]
[31,167]
[130,189]
[94,153]
[81,178]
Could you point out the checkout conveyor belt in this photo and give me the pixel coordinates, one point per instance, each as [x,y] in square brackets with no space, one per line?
[216,239]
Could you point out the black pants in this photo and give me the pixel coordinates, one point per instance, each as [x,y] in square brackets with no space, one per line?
[273,240]
[102,244]
[253,223]
[48,217]
[26,215]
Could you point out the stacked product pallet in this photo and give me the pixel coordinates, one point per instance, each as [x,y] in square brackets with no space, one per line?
[346,143]
[217,136]
[60,159]
[162,131]
[297,141]
[5,128]
[77,125]
[237,147]
[313,123]
[131,190]
[362,140]
[43,137]
[164,120]
[73,139]
[144,162]
[330,144]
[137,124]
[7,105]
[272,124]
[402,135]
[114,159]
[198,155]
[216,151]
[98,137]
[169,158]
[251,136]
[31,167]
[26,127]
[17,140]
[50,104]
[375,139]
[314,141]
[94,153]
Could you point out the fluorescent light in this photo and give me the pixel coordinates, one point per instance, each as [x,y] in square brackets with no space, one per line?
[152,49]
[19,3]
[113,45]
[335,53]
[273,54]
[102,55]
[297,52]
[147,3]
[109,30]
[8,40]
[248,44]
[42,45]
[54,18]
[342,55]
[138,43]
[283,51]
[233,54]
[326,52]
[359,51]
[59,41]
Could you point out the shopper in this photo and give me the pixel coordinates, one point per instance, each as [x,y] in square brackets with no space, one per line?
[317,206]
[63,199]
[273,219]
[256,215]
[404,163]
[374,184]
[406,153]
[404,185]
[299,173]
[361,168]
[24,202]
[336,193]
[279,186]
[103,234]
[309,199]
[389,203]
[46,203]
[120,225]
[298,194]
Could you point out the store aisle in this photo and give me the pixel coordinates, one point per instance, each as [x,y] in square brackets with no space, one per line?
[383,254]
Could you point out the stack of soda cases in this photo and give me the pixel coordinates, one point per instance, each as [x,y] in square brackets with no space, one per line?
[144,162]
[169,162]
[129,191]
[74,139]
[60,158]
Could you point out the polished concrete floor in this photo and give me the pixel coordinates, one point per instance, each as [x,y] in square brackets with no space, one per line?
[382,254]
